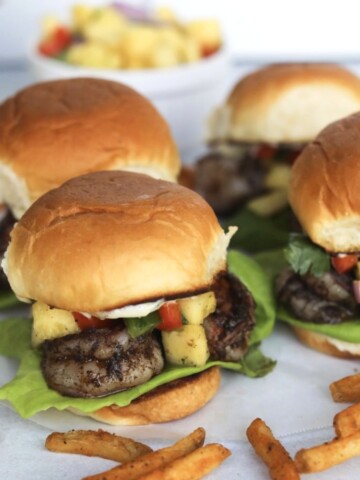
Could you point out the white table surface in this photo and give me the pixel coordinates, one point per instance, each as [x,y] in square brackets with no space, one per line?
[294,401]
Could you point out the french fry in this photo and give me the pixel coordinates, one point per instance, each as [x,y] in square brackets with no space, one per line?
[192,466]
[96,444]
[346,389]
[347,421]
[327,455]
[155,460]
[271,451]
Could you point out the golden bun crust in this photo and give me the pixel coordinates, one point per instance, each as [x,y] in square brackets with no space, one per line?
[325,344]
[324,187]
[110,239]
[169,402]
[56,130]
[286,103]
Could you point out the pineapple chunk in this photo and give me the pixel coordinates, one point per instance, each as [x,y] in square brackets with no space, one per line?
[186,346]
[269,204]
[196,309]
[81,15]
[105,26]
[92,54]
[49,323]
[278,177]
[49,25]
[357,271]
[206,32]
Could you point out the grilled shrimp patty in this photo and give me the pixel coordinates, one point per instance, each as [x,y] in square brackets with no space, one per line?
[324,299]
[98,362]
[228,329]
[228,180]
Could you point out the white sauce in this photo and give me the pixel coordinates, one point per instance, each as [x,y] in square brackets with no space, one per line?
[130,311]
[4,263]
[353,348]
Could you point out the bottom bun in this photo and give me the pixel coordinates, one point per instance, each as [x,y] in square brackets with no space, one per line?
[328,345]
[168,402]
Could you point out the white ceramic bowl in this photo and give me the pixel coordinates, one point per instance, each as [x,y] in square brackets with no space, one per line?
[185,94]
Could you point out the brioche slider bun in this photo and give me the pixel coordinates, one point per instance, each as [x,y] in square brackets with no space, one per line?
[166,403]
[56,130]
[324,195]
[325,344]
[108,240]
[324,187]
[115,230]
[285,103]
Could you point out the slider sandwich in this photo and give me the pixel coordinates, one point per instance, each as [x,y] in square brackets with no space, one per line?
[56,130]
[255,136]
[135,306]
[319,288]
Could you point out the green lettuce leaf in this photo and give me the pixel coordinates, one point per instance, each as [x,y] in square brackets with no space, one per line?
[259,284]
[273,262]
[29,394]
[255,364]
[274,230]
[8,299]
[15,337]
[348,331]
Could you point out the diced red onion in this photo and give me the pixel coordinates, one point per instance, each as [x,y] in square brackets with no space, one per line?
[77,38]
[356,288]
[131,12]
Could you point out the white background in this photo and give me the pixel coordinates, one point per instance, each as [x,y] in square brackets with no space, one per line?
[255,30]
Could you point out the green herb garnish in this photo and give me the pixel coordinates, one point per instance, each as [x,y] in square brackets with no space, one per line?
[306,257]
[140,326]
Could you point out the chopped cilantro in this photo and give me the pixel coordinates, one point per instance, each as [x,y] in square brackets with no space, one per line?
[304,256]
[140,326]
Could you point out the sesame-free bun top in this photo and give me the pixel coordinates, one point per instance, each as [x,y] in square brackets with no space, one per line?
[285,103]
[110,239]
[324,187]
[56,130]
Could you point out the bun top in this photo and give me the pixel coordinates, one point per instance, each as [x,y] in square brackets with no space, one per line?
[324,187]
[56,130]
[110,239]
[286,103]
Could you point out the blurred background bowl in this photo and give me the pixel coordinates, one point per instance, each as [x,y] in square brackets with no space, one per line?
[184,94]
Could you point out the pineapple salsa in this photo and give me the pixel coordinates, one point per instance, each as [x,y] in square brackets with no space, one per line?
[180,322]
[120,36]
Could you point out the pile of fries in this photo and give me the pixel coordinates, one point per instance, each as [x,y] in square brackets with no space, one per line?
[344,446]
[187,459]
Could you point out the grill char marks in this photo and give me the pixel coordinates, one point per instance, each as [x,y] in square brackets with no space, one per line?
[325,299]
[99,362]
[227,182]
[228,329]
